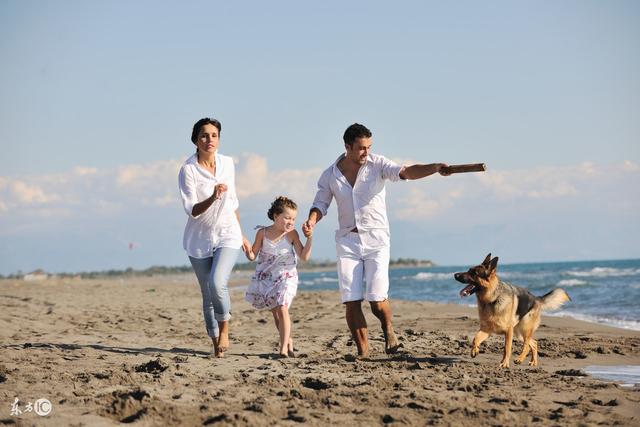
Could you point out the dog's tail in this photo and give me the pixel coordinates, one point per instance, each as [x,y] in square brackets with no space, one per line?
[554,299]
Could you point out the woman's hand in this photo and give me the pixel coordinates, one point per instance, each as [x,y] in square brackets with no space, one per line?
[247,249]
[218,190]
[199,208]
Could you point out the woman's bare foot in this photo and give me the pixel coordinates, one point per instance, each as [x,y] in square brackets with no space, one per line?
[215,351]
[223,339]
[290,349]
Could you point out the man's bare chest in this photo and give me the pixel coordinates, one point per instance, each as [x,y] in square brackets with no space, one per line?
[350,174]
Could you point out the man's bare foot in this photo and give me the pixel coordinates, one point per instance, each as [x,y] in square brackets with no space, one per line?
[391,343]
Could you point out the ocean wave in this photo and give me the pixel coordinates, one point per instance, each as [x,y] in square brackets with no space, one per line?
[572,282]
[511,275]
[628,375]
[319,281]
[605,272]
[609,321]
[425,276]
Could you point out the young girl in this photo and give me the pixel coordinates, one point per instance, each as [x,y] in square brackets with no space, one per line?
[275,281]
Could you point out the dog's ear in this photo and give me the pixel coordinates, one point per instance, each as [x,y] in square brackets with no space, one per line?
[487,260]
[493,265]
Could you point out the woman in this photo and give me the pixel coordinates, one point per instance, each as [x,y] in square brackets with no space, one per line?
[212,236]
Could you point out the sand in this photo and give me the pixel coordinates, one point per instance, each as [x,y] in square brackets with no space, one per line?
[135,350]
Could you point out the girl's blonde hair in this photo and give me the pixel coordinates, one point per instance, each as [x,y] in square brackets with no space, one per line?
[278,205]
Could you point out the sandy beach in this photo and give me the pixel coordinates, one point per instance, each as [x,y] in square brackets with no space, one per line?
[135,350]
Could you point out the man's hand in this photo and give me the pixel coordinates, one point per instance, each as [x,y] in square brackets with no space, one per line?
[442,169]
[307,228]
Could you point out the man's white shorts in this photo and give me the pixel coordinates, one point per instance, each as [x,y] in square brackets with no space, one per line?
[358,266]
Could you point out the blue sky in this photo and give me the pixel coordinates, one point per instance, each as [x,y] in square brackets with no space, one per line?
[97,101]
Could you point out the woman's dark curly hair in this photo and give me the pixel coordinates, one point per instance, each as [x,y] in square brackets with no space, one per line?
[278,205]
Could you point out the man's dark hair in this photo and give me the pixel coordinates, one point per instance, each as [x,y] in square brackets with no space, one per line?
[354,132]
[202,122]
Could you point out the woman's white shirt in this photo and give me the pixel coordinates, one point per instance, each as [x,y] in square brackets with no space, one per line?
[218,226]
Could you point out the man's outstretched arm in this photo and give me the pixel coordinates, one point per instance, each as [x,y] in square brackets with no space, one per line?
[422,171]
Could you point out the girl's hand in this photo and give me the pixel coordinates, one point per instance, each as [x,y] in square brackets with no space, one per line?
[307,228]
[218,190]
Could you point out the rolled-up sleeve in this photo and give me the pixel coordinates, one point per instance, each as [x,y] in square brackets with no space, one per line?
[390,169]
[323,198]
[187,187]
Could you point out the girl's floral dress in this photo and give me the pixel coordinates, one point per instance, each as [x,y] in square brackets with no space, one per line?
[275,281]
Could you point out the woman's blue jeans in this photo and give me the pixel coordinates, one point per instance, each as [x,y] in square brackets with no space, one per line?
[213,275]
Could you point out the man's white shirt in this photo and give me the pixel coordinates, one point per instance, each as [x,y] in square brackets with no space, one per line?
[363,205]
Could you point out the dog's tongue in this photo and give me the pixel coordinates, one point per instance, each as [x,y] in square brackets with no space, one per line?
[468,290]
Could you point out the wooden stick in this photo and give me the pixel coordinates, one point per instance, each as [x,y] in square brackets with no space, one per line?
[472,167]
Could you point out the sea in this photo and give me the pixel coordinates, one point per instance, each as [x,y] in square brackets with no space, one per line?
[606,292]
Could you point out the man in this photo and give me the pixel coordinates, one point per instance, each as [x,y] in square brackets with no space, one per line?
[357,181]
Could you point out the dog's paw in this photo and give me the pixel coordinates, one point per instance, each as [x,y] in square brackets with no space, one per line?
[517,361]
[533,363]
[505,364]
[474,352]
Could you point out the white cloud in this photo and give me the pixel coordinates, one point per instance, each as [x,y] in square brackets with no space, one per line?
[252,175]
[165,200]
[417,204]
[132,188]
[253,178]
[27,194]
[629,166]
[143,177]
[108,192]
[546,187]
[561,189]
[83,171]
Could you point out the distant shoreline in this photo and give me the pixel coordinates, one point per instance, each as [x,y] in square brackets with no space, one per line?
[311,266]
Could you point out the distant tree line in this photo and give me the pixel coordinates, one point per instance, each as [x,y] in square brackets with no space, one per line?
[158,270]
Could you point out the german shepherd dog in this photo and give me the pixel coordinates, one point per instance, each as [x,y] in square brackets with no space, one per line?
[505,309]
